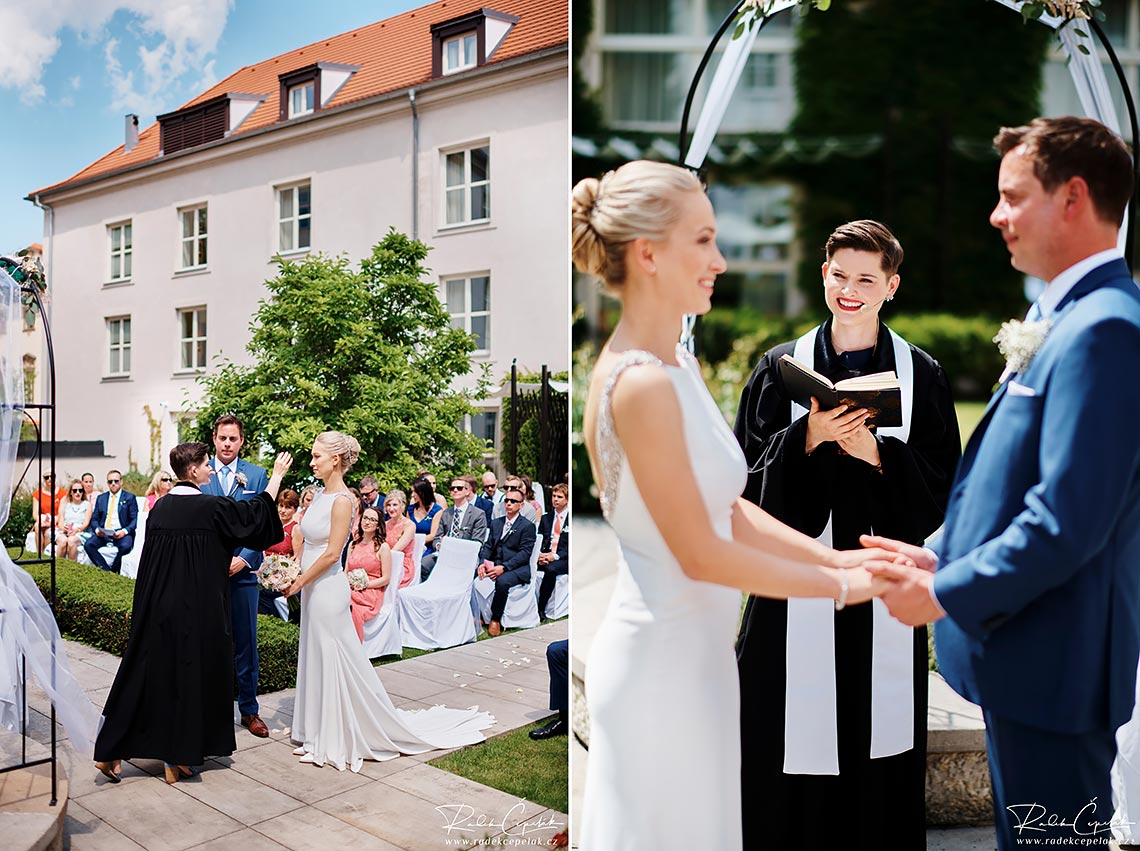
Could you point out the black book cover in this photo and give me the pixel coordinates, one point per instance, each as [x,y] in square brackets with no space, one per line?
[883,403]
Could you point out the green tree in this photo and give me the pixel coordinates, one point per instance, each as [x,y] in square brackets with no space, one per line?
[370,353]
[935,80]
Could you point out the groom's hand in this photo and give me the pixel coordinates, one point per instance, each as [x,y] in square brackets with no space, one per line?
[922,557]
[236,565]
[909,599]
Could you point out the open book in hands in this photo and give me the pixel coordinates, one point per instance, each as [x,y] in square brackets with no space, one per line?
[878,393]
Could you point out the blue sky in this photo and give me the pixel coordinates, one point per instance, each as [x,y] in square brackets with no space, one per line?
[71,69]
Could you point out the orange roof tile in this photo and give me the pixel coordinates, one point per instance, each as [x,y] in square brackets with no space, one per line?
[393,54]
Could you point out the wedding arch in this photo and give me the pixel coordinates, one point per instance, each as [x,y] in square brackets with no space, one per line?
[748,18]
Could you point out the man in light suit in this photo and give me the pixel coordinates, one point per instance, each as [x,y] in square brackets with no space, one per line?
[240,480]
[113,521]
[506,555]
[1036,583]
[461,520]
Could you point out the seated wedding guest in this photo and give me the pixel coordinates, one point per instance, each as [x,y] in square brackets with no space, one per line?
[288,502]
[400,533]
[461,520]
[113,521]
[89,489]
[423,509]
[48,497]
[491,488]
[528,510]
[439,498]
[159,487]
[369,552]
[74,517]
[506,555]
[370,496]
[483,498]
[558,664]
[528,491]
[554,560]
[307,494]
[832,475]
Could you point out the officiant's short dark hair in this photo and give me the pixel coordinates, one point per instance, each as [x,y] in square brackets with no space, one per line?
[186,455]
[1068,147]
[872,237]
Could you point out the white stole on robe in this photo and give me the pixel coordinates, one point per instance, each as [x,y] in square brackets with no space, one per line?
[811,742]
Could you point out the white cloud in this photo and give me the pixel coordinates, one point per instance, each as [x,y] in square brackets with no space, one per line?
[166,46]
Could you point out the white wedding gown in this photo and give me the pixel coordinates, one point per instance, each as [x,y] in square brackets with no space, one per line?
[661,680]
[342,713]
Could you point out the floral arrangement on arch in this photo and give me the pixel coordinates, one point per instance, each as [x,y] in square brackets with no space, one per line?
[756,10]
[1067,10]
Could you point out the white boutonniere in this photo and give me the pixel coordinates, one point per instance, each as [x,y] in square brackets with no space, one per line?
[1018,342]
[241,479]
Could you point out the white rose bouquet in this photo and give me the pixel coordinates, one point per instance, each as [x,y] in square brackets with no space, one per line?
[278,572]
[357,579]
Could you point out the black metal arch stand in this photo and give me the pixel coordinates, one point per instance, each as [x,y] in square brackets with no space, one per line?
[682,138]
[48,409]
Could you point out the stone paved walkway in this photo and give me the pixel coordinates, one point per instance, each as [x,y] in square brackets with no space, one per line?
[262,798]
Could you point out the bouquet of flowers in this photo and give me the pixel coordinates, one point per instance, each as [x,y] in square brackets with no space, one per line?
[357,579]
[277,572]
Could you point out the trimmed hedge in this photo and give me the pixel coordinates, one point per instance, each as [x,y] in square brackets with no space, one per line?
[94,607]
[19,520]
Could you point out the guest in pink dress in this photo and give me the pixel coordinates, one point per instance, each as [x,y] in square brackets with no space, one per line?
[400,532]
[368,551]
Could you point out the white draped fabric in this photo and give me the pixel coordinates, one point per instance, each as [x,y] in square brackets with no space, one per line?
[27,624]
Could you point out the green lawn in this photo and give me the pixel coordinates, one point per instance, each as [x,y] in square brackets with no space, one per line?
[968,415]
[512,763]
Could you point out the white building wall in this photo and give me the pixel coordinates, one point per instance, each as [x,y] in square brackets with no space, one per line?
[361,184]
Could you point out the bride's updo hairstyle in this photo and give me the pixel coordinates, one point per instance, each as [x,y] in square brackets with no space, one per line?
[344,446]
[638,201]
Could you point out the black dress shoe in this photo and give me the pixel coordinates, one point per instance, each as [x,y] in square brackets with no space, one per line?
[557,727]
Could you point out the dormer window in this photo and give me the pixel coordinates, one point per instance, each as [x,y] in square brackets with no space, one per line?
[468,41]
[460,53]
[302,98]
[310,89]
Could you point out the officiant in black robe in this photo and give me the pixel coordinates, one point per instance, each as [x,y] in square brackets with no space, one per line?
[173,696]
[870,803]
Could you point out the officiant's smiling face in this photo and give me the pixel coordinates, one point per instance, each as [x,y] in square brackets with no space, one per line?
[855,285]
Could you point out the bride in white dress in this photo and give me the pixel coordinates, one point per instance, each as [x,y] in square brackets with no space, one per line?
[661,680]
[342,714]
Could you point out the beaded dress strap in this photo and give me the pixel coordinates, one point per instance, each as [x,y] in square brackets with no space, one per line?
[609,449]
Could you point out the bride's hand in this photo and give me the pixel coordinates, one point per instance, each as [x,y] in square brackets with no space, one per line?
[861,586]
[855,558]
[294,588]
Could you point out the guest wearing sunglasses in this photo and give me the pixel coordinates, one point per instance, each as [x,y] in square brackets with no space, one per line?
[74,516]
[113,521]
[461,520]
[159,487]
[505,556]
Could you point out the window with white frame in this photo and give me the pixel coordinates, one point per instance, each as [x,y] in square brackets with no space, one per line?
[302,99]
[120,236]
[119,346]
[294,217]
[467,185]
[193,237]
[469,303]
[192,338]
[460,53]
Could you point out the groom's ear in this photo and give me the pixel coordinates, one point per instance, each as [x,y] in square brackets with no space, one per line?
[1075,196]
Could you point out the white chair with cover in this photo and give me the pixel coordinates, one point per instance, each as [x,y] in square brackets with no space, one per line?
[418,547]
[129,566]
[437,613]
[382,636]
[521,610]
[558,606]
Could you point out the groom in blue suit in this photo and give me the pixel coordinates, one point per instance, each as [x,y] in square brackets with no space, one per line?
[1036,583]
[240,480]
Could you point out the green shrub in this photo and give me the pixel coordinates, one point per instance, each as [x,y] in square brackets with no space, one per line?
[136,482]
[964,345]
[19,520]
[94,607]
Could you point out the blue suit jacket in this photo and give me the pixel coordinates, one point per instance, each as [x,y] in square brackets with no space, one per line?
[1040,558]
[487,506]
[257,481]
[512,552]
[128,512]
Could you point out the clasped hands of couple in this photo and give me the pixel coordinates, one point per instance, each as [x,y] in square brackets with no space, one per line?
[900,574]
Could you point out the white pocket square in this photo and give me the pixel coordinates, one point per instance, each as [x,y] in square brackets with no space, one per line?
[1016,389]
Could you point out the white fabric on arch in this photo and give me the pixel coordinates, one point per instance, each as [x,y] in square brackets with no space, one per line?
[27,624]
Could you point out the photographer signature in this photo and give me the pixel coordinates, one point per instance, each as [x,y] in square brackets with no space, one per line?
[462,817]
[1036,817]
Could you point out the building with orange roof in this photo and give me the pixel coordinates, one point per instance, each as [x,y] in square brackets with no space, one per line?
[448,122]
